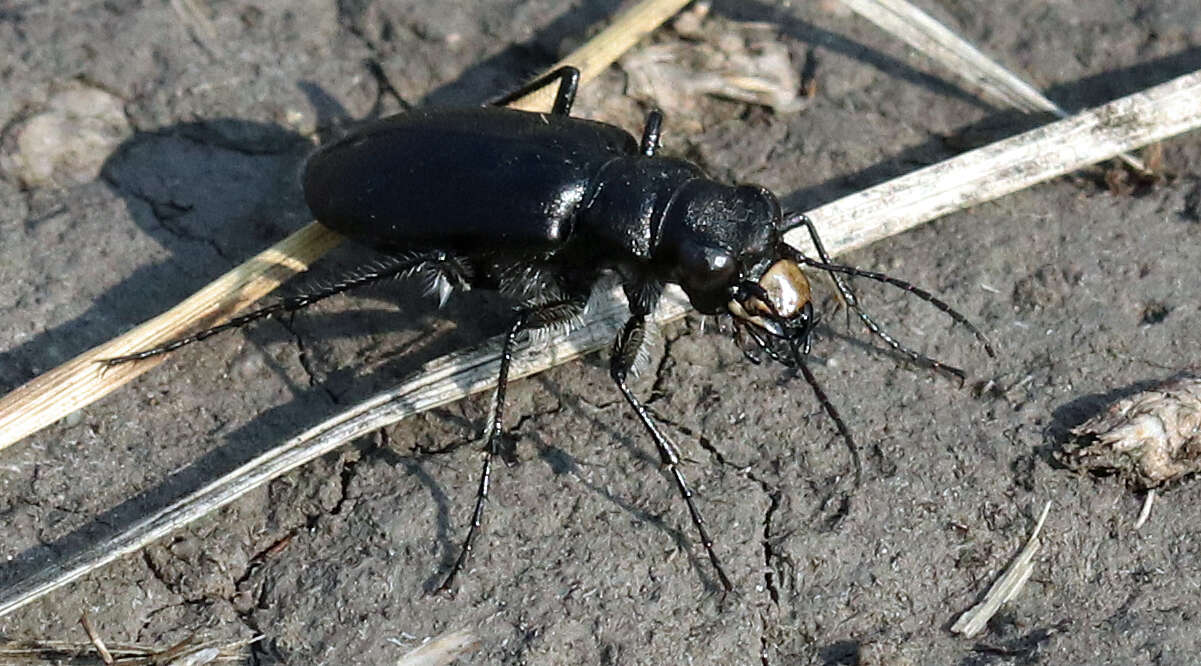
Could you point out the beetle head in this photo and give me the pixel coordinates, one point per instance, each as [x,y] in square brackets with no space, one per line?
[723,247]
[713,237]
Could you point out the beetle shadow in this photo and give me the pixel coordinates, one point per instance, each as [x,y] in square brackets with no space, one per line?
[175,183]
[216,191]
[639,447]
[159,174]
[559,460]
[682,534]
[210,193]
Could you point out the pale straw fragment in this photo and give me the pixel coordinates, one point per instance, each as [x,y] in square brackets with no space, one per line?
[989,79]
[1005,588]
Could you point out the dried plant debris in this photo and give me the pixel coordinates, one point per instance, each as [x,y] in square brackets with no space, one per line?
[67,140]
[1150,438]
[1005,588]
[711,55]
[188,653]
[441,650]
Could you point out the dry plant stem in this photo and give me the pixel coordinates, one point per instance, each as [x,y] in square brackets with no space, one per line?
[441,650]
[854,221]
[29,653]
[97,641]
[81,381]
[1006,587]
[1016,163]
[931,38]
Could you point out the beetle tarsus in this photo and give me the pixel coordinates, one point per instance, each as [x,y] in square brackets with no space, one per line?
[649,144]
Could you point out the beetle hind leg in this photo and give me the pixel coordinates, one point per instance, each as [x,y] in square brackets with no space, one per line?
[392,267]
[569,82]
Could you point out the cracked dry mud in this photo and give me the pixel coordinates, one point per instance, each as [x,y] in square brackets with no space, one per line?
[588,555]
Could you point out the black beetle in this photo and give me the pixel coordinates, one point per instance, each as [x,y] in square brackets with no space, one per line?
[538,207]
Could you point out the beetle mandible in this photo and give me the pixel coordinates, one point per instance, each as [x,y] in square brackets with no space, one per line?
[539,207]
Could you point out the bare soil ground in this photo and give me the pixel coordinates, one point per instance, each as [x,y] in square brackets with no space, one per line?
[588,554]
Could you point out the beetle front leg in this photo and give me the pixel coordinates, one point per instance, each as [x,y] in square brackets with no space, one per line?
[625,354]
[532,317]
[852,301]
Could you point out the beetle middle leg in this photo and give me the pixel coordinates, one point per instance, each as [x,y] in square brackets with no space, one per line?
[569,82]
[531,317]
[625,355]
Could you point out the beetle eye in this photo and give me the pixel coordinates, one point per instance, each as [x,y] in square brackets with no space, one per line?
[707,269]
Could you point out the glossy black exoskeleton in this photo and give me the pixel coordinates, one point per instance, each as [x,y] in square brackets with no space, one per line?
[539,207]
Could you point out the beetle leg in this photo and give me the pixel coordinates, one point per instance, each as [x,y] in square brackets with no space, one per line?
[530,317]
[384,88]
[392,268]
[569,82]
[625,353]
[650,133]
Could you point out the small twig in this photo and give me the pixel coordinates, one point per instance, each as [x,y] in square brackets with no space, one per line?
[1145,512]
[442,649]
[1005,588]
[188,653]
[97,641]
